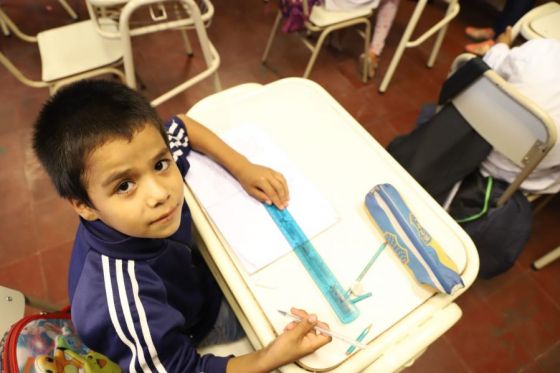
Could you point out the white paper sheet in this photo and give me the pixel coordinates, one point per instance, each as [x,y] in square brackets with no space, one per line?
[242,220]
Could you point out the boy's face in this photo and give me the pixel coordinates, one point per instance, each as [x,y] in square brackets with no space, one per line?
[135,187]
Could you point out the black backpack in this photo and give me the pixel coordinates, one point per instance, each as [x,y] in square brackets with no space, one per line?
[499,233]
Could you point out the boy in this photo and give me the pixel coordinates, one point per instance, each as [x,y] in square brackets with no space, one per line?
[139,294]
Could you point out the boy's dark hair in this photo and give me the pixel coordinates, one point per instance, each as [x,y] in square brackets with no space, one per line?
[80,118]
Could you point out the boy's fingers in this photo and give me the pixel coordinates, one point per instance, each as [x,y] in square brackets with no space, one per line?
[290,326]
[267,187]
[284,191]
[305,326]
[259,195]
[323,325]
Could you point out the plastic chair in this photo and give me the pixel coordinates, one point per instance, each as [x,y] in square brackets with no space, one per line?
[493,107]
[68,53]
[12,307]
[188,16]
[406,42]
[541,22]
[79,51]
[104,12]
[320,20]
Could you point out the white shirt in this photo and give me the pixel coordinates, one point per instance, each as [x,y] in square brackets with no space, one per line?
[350,4]
[534,69]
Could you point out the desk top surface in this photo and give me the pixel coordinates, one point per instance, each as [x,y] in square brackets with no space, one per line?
[344,162]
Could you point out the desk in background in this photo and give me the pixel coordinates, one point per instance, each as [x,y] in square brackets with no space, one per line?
[344,162]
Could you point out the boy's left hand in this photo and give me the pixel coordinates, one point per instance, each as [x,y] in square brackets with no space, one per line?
[264,184]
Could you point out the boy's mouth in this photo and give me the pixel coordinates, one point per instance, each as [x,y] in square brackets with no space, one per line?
[165,216]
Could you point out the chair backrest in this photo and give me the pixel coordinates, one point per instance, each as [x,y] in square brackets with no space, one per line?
[511,122]
[209,53]
[541,22]
[106,12]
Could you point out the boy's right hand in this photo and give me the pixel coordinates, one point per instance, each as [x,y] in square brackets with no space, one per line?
[263,183]
[298,339]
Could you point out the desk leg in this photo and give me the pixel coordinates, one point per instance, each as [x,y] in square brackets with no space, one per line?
[453,4]
[402,44]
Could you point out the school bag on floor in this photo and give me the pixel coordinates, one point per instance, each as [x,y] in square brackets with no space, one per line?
[499,233]
[48,343]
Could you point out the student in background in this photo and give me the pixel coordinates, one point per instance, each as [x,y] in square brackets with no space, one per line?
[485,36]
[532,68]
[386,12]
[140,291]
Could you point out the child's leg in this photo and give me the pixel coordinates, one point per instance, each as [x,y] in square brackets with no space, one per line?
[226,329]
[385,16]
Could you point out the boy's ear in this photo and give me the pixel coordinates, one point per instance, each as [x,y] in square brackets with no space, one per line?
[83,210]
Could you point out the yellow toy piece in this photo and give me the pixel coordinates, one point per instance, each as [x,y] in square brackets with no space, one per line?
[67,361]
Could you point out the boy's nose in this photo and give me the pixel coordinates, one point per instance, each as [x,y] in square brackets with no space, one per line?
[157,193]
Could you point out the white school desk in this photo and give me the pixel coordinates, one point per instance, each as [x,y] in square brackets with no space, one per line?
[343,161]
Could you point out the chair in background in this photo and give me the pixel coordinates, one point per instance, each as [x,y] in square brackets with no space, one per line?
[68,53]
[406,42]
[79,51]
[12,307]
[493,107]
[320,20]
[112,19]
[541,22]
[107,12]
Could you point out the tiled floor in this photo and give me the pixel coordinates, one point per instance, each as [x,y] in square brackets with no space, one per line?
[510,323]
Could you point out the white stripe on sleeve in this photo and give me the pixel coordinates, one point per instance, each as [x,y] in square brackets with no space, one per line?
[113,313]
[144,320]
[128,316]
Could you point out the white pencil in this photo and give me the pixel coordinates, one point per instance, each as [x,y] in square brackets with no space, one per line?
[336,335]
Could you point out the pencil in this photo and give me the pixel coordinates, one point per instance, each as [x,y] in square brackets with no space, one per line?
[360,338]
[360,298]
[368,266]
[330,333]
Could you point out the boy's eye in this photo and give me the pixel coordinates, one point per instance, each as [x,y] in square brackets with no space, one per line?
[162,165]
[125,187]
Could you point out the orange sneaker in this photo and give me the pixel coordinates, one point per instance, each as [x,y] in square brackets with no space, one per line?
[481,48]
[479,33]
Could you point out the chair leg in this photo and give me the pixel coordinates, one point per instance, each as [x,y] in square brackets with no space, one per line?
[316,51]
[68,9]
[4,27]
[366,49]
[441,35]
[402,45]
[217,83]
[184,35]
[546,259]
[188,46]
[271,36]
